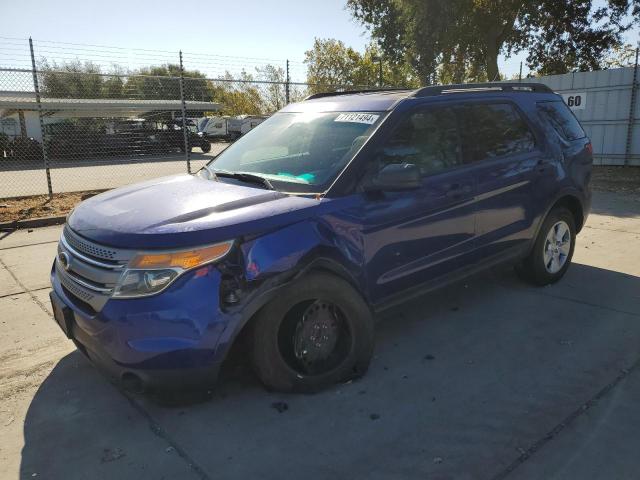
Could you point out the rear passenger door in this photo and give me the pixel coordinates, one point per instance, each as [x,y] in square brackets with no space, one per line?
[501,149]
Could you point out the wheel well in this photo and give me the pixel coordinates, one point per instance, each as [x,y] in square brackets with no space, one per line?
[575,207]
[239,342]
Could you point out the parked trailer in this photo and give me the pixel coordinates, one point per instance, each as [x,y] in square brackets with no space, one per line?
[228,128]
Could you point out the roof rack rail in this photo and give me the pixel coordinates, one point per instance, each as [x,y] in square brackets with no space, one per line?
[349,92]
[482,87]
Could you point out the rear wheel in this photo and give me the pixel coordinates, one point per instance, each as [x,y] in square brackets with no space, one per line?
[317,333]
[553,249]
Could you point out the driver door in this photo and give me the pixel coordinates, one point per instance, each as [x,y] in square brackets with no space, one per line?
[416,236]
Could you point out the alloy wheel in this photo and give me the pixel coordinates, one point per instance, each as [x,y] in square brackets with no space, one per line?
[557,247]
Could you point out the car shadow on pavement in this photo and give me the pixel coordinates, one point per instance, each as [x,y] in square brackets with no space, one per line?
[463,383]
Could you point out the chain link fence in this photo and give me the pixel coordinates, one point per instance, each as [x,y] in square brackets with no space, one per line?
[81,117]
[78,117]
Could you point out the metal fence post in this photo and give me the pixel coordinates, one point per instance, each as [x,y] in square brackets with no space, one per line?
[185,133]
[36,88]
[520,74]
[632,111]
[286,85]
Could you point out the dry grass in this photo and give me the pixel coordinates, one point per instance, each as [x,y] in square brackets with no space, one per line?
[617,179]
[12,209]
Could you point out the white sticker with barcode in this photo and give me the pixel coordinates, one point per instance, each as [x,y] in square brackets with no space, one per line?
[367,118]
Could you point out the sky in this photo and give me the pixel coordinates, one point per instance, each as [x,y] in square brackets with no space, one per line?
[272,29]
[212,34]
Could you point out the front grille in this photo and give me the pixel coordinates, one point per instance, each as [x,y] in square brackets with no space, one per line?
[87,307]
[87,270]
[89,248]
[74,288]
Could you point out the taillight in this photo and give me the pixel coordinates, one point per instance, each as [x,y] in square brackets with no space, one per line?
[589,148]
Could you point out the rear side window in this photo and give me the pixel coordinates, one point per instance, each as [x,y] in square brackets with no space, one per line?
[494,130]
[562,120]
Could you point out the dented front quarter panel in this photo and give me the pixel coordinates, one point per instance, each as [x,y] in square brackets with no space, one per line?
[266,263]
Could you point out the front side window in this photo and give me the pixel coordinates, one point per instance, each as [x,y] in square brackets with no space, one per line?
[494,130]
[561,119]
[299,152]
[427,138]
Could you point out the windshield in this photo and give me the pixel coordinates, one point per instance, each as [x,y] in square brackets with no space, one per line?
[299,152]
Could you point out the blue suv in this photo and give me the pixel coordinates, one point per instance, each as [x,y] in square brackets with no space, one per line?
[333,209]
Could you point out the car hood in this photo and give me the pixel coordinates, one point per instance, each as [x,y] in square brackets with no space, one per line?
[184,211]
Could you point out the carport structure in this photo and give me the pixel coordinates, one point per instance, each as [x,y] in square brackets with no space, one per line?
[91,143]
[22,107]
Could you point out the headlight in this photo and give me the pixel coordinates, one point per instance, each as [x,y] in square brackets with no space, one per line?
[150,273]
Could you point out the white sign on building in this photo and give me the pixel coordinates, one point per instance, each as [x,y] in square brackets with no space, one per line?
[575,100]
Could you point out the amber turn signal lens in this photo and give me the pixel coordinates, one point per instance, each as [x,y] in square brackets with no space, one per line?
[185,259]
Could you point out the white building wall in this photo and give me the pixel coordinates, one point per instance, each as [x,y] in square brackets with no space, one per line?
[10,125]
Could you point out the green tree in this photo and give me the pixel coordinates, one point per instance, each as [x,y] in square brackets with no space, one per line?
[622,56]
[86,80]
[274,95]
[113,86]
[464,38]
[331,65]
[163,83]
[70,80]
[238,96]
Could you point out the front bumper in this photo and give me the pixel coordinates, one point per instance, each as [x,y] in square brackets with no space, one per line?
[170,340]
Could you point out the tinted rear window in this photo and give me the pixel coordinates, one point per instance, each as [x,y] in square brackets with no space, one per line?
[562,120]
[494,130]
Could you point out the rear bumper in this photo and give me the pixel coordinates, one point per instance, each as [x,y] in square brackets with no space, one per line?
[171,340]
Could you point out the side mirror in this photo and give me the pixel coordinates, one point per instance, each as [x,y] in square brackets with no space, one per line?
[396,177]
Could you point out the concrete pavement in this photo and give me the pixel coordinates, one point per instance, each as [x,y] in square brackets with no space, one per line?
[490,378]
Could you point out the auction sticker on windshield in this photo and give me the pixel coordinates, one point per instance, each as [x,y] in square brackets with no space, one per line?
[367,118]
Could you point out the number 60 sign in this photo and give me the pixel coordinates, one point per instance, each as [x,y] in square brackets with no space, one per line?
[575,100]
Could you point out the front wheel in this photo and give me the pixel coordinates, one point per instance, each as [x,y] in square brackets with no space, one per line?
[205,146]
[552,252]
[318,332]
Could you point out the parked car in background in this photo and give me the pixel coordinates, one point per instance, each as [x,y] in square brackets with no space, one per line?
[20,149]
[333,209]
[80,139]
[130,137]
[171,135]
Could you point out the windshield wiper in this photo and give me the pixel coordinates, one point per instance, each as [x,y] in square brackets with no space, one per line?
[245,177]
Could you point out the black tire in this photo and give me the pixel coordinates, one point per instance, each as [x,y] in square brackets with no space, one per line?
[275,335]
[205,146]
[533,268]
